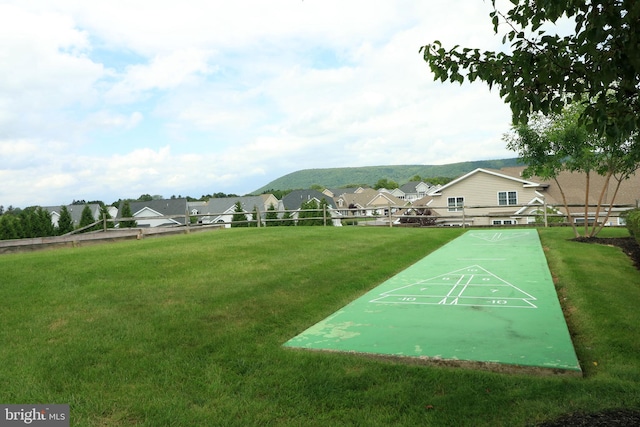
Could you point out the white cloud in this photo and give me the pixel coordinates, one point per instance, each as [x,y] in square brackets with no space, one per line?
[164,72]
[115,99]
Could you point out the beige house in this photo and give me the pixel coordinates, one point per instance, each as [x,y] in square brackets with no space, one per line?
[367,202]
[485,197]
[503,197]
[574,187]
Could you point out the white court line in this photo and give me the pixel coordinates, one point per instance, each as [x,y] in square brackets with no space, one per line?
[465,286]
[456,285]
[481,259]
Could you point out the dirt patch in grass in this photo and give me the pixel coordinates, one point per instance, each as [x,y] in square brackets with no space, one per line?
[629,245]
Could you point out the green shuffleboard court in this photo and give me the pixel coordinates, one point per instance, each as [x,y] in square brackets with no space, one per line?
[485,299]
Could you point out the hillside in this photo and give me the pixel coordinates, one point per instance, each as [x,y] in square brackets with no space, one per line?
[369,175]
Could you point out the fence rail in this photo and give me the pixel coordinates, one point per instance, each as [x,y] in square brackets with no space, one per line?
[389,215]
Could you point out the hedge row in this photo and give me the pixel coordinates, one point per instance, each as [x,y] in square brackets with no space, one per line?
[633,223]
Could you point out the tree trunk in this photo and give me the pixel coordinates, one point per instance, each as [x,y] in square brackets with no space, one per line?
[615,193]
[605,187]
[566,207]
[586,205]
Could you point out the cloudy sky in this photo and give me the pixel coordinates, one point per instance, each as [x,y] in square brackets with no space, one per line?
[101,100]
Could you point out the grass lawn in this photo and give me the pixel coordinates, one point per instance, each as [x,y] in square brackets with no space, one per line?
[188,331]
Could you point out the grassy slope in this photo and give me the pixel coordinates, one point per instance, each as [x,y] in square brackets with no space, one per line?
[187,330]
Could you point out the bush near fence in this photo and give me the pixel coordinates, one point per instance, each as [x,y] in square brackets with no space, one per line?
[633,223]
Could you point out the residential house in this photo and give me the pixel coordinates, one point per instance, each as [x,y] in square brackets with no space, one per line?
[574,186]
[158,213]
[368,202]
[221,210]
[336,192]
[411,191]
[503,197]
[485,197]
[293,201]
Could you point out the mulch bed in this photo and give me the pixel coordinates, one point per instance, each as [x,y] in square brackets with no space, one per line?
[608,418]
[629,245]
[611,417]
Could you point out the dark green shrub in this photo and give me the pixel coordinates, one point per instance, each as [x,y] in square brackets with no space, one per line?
[633,223]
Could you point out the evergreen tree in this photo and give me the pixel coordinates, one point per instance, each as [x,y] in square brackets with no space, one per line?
[9,227]
[126,213]
[286,219]
[65,222]
[271,218]
[86,217]
[239,218]
[44,226]
[28,223]
[104,214]
[309,213]
[254,217]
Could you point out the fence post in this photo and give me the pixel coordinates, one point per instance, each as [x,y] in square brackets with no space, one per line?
[464,220]
[544,203]
[390,217]
[104,222]
[324,215]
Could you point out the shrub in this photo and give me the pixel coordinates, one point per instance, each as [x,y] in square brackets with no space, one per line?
[633,223]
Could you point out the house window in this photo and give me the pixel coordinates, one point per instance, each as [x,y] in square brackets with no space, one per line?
[455,204]
[506,198]
[503,222]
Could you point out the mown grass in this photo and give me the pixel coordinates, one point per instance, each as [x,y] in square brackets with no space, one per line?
[188,330]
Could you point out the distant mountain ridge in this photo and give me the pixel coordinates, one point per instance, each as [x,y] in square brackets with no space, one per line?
[370,175]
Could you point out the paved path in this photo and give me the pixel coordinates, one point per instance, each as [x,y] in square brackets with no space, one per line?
[486,299]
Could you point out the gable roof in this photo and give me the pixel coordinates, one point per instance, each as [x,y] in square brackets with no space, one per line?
[164,207]
[370,198]
[294,199]
[574,184]
[225,204]
[336,192]
[412,186]
[500,174]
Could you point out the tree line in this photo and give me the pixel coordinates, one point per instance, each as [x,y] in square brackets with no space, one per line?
[35,221]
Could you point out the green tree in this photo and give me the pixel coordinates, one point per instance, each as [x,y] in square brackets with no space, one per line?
[44,225]
[308,212]
[126,213]
[9,227]
[86,217]
[254,217]
[65,222]
[28,227]
[104,214]
[271,217]
[313,213]
[597,65]
[386,183]
[557,142]
[287,219]
[239,218]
